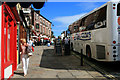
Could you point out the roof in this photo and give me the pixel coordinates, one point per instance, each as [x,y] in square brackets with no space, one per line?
[14,11]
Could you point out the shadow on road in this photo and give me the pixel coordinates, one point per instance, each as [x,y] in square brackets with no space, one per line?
[52,61]
[19,73]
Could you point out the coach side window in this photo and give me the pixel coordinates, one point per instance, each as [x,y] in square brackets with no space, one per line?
[100,19]
[89,23]
[90,27]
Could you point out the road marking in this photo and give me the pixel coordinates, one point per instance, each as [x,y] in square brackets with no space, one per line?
[105,74]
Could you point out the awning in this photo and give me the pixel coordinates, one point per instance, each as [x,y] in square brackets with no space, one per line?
[46,38]
[36,5]
[34,37]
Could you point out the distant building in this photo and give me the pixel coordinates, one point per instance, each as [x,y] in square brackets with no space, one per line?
[74,27]
[42,26]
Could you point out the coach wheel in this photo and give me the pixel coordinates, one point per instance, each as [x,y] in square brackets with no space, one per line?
[88,52]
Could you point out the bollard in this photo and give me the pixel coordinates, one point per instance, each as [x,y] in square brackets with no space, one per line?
[81,57]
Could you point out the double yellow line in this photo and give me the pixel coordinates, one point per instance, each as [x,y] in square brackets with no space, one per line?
[106,74]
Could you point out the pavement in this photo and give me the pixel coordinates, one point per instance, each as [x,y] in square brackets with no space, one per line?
[45,65]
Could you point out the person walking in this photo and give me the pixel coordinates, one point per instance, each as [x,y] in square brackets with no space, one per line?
[42,41]
[67,47]
[30,47]
[24,55]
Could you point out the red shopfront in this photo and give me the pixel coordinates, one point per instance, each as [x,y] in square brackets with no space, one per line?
[8,27]
[8,43]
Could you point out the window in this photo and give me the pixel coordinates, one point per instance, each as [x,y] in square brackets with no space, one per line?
[8,43]
[40,20]
[101,14]
[95,20]
[49,32]
[37,26]
[90,27]
[40,28]
[25,9]
[43,21]
[75,27]
[118,9]
[47,24]
[7,37]
[46,30]
[5,42]
[35,16]
[100,18]
[43,29]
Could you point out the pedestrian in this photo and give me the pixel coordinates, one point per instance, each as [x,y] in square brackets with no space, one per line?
[39,41]
[66,41]
[48,43]
[30,47]
[24,55]
[67,47]
[42,41]
[63,45]
[63,41]
[35,42]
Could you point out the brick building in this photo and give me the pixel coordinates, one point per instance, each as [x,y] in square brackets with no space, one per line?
[42,26]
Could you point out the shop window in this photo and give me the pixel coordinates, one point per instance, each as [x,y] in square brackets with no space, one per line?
[7,37]
[5,43]
[8,43]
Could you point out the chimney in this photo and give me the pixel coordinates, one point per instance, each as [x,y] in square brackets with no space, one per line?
[38,12]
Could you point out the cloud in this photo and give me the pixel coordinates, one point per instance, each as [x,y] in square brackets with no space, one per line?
[89,6]
[85,6]
[68,19]
[63,22]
